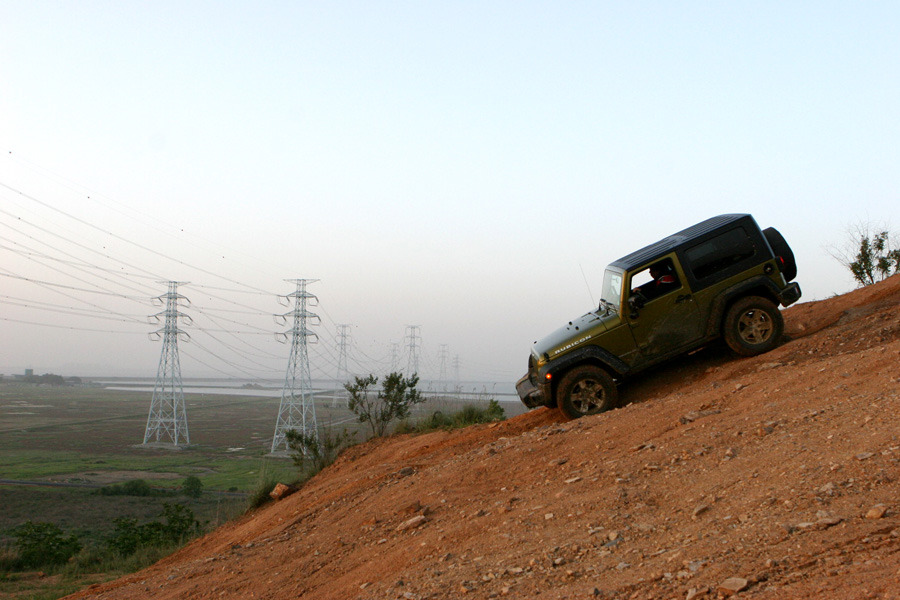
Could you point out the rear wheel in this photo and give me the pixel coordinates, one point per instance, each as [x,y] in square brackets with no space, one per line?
[753,325]
[586,390]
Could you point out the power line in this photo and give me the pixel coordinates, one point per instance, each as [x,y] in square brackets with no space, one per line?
[126,240]
[331,354]
[107,202]
[76,312]
[79,260]
[12,275]
[69,327]
[234,366]
[78,268]
[44,284]
[73,242]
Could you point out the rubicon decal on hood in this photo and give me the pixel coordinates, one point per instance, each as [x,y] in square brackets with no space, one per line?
[567,346]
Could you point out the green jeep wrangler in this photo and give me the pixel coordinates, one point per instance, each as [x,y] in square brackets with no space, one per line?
[723,277]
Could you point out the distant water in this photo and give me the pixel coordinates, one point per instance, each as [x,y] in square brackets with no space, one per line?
[501,391]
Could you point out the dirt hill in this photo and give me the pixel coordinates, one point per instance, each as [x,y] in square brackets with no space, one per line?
[776,475]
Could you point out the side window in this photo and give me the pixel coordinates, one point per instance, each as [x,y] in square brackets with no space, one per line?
[656,280]
[713,256]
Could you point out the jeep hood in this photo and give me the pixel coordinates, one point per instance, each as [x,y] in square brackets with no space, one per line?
[575,333]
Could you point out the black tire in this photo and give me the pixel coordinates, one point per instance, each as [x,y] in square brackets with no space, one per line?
[780,248]
[586,390]
[753,325]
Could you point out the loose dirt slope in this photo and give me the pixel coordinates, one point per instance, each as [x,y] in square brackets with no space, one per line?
[781,470]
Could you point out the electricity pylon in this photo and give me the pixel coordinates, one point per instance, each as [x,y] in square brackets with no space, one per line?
[167,418]
[443,356]
[297,410]
[456,374]
[412,335]
[395,356]
[343,372]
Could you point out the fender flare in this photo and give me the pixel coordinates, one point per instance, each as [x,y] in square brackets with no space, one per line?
[587,354]
[739,290]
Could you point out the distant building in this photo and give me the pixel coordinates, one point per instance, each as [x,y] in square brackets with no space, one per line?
[29,372]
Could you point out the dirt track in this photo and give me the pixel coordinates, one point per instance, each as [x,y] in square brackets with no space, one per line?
[780,471]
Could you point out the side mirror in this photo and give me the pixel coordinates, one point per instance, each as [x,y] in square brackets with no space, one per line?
[636,302]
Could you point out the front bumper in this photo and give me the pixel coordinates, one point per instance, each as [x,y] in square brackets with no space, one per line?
[529,393]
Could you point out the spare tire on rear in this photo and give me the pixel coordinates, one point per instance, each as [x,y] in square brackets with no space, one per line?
[781,249]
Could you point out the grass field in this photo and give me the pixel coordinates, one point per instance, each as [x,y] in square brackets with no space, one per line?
[59,445]
[73,440]
[84,436]
[91,436]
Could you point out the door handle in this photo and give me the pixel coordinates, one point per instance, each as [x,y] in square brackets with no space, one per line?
[683,298]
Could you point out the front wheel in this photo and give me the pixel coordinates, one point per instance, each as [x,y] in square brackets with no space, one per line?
[753,326]
[586,390]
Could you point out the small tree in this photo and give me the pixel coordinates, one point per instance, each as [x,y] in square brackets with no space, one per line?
[870,256]
[395,400]
[192,487]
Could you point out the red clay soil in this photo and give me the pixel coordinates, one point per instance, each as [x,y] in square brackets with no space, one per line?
[768,477]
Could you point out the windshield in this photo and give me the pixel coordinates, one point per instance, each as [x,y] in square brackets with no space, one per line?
[612,288]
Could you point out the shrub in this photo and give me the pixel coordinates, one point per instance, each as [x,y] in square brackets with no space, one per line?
[260,494]
[90,559]
[468,415]
[179,525]
[44,544]
[495,411]
[135,487]
[315,454]
[437,420]
[192,487]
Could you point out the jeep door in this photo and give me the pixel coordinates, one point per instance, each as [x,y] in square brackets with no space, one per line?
[661,312]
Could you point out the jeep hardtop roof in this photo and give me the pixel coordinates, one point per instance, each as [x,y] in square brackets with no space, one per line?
[670,243]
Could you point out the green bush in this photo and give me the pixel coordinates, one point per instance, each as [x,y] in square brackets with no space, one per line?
[107,559]
[135,487]
[44,544]
[314,454]
[473,415]
[260,494]
[93,558]
[192,487]
[179,526]
[468,415]
[139,559]
[437,420]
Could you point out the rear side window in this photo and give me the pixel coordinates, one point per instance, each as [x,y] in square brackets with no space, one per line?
[716,255]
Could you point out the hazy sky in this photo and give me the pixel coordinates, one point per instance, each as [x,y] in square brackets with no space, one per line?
[467,167]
